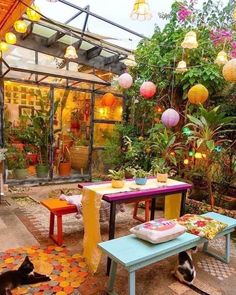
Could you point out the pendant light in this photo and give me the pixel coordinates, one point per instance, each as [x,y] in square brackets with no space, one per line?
[33,13]
[221,58]
[71,52]
[10,38]
[181,67]
[190,40]
[130,61]
[3,46]
[141,10]
[20,26]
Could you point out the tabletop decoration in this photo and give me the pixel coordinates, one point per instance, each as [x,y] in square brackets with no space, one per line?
[117,178]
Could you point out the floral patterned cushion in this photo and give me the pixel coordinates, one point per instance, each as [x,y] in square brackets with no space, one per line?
[201,226]
[158,231]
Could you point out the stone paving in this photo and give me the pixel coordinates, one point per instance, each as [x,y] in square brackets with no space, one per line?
[212,276]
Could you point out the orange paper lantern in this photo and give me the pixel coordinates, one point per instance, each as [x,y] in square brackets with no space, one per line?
[229,70]
[198,94]
[108,100]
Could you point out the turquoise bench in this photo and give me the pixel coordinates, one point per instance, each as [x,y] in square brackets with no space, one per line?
[133,253]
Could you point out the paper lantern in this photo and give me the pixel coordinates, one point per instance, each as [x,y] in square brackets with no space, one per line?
[108,100]
[229,70]
[33,14]
[141,10]
[198,155]
[186,161]
[71,52]
[10,38]
[130,61]
[181,67]
[170,118]
[148,89]
[221,58]
[191,153]
[125,80]
[190,40]
[3,46]
[20,26]
[198,94]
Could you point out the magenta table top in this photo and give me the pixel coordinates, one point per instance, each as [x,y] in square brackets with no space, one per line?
[129,195]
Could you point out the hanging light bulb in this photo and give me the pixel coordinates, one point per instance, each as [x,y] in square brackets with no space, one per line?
[130,61]
[3,46]
[20,26]
[71,52]
[32,13]
[141,10]
[221,58]
[190,40]
[181,67]
[10,38]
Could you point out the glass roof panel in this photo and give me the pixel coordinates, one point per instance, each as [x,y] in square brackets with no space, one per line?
[43,31]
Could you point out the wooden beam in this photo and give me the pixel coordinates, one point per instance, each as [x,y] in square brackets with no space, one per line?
[93,52]
[51,40]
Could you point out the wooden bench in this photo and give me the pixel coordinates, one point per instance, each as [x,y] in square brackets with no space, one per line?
[134,254]
[57,208]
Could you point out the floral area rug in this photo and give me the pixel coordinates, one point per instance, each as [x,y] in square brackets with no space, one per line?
[67,272]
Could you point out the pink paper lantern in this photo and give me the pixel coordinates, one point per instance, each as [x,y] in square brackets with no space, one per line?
[170,118]
[125,80]
[148,89]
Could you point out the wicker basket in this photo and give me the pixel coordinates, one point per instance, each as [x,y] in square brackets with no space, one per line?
[79,157]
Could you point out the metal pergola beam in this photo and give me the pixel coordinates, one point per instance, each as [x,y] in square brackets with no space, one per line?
[93,52]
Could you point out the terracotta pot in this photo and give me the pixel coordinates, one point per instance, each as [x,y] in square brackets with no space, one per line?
[117,183]
[64,169]
[162,177]
[79,157]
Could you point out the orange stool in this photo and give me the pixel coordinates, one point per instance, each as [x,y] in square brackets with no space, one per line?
[57,208]
[147,211]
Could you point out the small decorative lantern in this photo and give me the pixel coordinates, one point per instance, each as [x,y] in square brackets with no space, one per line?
[229,70]
[141,10]
[108,100]
[181,67]
[198,155]
[71,52]
[33,13]
[125,80]
[20,26]
[10,38]
[221,58]
[3,46]
[190,40]
[198,94]
[130,61]
[148,89]
[170,118]
[186,161]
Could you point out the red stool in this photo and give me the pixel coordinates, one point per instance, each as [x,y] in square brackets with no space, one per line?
[147,211]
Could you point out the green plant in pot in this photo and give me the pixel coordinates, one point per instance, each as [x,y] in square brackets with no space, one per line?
[79,154]
[117,178]
[140,176]
[161,169]
[64,163]
[20,169]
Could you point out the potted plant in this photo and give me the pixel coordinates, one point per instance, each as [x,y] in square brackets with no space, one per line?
[140,176]
[20,167]
[161,169]
[79,155]
[117,178]
[64,164]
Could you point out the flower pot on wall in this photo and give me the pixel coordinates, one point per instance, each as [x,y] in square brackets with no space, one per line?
[20,173]
[64,169]
[140,180]
[162,177]
[42,171]
[117,183]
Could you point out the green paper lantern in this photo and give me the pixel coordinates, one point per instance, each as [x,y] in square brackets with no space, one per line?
[191,153]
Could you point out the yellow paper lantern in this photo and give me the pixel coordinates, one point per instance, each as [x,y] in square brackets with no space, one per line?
[181,67]
[198,94]
[3,46]
[33,14]
[20,26]
[186,161]
[229,70]
[198,155]
[71,52]
[141,10]
[190,40]
[10,38]
[221,58]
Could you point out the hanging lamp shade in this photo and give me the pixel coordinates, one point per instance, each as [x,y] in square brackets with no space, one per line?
[229,70]
[20,26]
[148,89]
[221,58]
[3,46]
[71,52]
[181,67]
[10,38]
[198,94]
[33,13]
[170,118]
[125,80]
[141,10]
[130,61]
[108,100]
[190,40]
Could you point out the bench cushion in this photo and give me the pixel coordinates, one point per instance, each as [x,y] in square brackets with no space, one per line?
[58,206]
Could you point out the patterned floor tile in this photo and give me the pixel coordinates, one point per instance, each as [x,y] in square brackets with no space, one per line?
[178,288]
[219,245]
